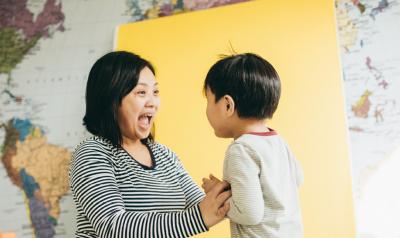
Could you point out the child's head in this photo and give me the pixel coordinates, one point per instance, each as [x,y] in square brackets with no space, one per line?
[245,84]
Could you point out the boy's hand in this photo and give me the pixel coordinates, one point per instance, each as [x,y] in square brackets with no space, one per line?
[209,183]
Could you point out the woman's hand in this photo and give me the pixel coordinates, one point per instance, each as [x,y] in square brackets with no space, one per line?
[214,206]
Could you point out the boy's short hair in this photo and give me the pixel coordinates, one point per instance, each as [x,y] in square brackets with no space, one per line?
[250,80]
[111,78]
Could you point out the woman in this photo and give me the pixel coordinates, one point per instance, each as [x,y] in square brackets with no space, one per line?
[124,183]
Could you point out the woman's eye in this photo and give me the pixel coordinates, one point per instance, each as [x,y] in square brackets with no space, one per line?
[141,92]
[156,92]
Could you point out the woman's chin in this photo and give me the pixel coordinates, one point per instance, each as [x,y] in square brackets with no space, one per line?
[143,134]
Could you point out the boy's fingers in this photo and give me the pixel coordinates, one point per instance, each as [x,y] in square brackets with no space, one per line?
[213,178]
[206,181]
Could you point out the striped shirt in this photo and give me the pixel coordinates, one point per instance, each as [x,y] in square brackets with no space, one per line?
[264,177]
[115,196]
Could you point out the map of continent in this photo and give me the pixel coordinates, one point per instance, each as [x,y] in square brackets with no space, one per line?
[20,29]
[39,169]
[36,167]
[369,39]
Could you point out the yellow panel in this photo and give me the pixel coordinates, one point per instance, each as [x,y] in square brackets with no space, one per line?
[299,39]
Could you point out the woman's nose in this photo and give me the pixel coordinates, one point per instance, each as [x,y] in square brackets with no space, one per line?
[152,101]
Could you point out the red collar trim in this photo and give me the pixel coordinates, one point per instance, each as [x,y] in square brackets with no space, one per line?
[271,132]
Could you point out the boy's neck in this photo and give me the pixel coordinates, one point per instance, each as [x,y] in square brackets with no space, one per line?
[245,126]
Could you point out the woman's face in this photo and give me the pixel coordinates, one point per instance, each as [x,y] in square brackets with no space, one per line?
[139,107]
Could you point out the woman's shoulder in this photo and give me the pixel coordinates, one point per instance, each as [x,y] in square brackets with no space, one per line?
[94,145]
[161,150]
[93,154]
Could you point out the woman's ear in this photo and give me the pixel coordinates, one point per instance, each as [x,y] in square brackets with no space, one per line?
[229,105]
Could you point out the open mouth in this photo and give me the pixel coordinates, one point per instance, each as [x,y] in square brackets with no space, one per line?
[145,120]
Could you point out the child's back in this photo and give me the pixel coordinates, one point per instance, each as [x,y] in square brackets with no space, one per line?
[264,178]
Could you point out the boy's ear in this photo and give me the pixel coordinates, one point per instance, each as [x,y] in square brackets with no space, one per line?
[229,105]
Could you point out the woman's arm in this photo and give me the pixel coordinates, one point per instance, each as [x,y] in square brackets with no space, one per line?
[192,192]
[213,205]
[95,189]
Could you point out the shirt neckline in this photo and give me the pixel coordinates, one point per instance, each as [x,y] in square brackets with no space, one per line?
[271,132]
[153,160]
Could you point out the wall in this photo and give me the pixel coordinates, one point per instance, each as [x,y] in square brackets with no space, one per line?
[299,38]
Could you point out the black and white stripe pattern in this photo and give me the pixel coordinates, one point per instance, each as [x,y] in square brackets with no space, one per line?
[117,197]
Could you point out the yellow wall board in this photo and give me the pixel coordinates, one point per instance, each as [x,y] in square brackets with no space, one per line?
[299,39]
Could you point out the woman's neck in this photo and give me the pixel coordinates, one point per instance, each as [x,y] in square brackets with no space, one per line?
[138,151]
[131,144]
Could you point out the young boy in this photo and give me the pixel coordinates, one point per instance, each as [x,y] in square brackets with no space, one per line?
[243,91]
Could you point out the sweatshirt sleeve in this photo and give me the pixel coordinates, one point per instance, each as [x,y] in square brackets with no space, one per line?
[241,170]
[94,187]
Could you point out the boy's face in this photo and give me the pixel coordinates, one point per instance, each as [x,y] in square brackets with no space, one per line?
[216,115]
